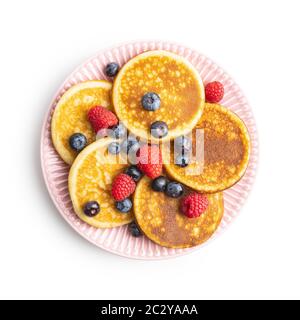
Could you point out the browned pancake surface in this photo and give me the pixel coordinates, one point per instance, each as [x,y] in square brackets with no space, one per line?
[170,76]
[225,154]
[160,218]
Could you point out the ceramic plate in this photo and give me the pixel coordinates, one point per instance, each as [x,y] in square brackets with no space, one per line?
[55,171]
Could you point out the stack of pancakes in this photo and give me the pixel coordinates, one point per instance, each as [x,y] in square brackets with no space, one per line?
[224,159]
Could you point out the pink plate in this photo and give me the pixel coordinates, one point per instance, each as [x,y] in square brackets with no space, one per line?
[118,240]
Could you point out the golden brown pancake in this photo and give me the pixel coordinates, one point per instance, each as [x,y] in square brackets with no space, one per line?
[173,78]
[160,219]
[90,179]
[70,114]
[226,152]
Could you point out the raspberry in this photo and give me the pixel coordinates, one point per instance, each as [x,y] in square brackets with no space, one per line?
[214,92]
[122,187]
[150,161]
[194,204]
[101,118]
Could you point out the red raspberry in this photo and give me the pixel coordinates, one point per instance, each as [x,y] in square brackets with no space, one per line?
[194,204]
[122,187]
[214,92]
[101,118]
[150,161]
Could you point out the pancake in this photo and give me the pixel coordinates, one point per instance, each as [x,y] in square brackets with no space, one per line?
[160,219]
[173,78]
[70,114]
[226,152]
[90,179]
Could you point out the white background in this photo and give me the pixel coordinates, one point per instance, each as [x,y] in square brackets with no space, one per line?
[257,42]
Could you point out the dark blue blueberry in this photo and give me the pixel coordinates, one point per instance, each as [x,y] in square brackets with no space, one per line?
[112,69]
[117,132]
[182,143]
[91,208]
[134,230]
[159,184]
[114,148]
[151,101]
[159,129]
[134,173]
[77,141]
[182,160]
[130,145]
[124,206]
[174,189]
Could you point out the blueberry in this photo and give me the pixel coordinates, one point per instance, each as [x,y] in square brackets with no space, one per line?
[159,129]
[114,148]
[159,184]
[174,189]
[77,141]
[182,142]
[91,208]
[134,230]
[124,206]
[182,160]
[134,173]
[112,69]
[151,101]
[118,131]
[130,145]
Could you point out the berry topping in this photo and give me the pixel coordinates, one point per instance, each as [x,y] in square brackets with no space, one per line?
[134,230]
[159,184]
[112,69]
[91,208]
[122,187]
[151,101]
[159,129]
[117,132]
[174,189]
[194,204]
[214,92]
[114,148]
[182,160]
[77,141]
[124,206]
[182,143]
[149,161]
[101,118]
[134,173]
